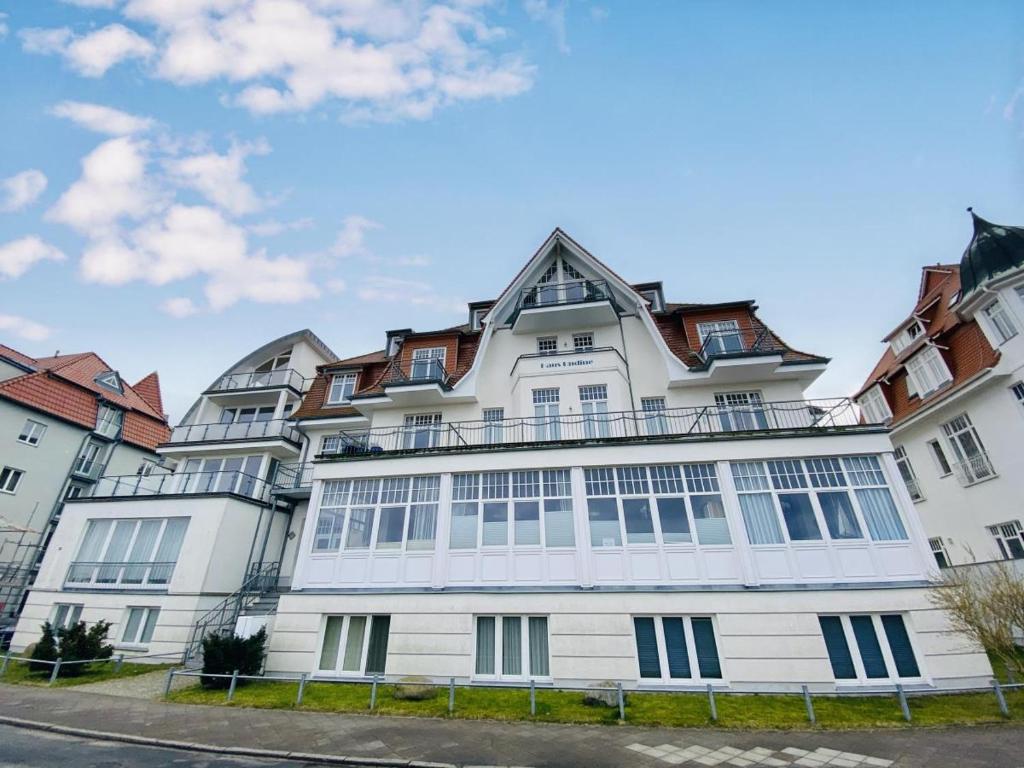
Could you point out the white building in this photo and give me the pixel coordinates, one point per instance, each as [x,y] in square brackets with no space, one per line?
[166,557]
[586,483]
[951,385]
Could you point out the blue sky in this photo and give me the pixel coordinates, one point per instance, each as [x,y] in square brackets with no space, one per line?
[352,166]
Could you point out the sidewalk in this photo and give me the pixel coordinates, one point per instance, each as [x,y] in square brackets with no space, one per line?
[464,742]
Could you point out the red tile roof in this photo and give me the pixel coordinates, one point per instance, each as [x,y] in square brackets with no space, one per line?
[148,389]
[17,357]
[64,386]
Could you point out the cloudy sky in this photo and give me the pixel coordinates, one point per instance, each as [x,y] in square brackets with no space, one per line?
[182,180]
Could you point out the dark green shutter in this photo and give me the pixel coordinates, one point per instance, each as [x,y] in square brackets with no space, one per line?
[675,648]
[870,650]
[899,644]
[377,654]
[707,651]
[647,647]
[838,649]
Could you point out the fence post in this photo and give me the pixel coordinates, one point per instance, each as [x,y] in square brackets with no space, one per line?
[711,704]
[302,687]
[903,702]
[373,693]
[56,671]
[809,704]
[3,667]
[170,681]
[451,695]
[1003,709]
[533,698]
[1009,674]
[118,663]
[234,682]
[622,701]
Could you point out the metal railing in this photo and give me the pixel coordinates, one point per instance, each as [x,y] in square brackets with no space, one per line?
[282,377]
[913,488]
[973,469]
[120,575]
[558,294]
[183,484]
[792,416]
[735,342]
[87,469]
[221,619]
[429,371]
[242,430]
[292,477]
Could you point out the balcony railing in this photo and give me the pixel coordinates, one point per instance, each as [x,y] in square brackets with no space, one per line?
[973,469]
[569,292]
[914,489]
[429,371]
[737,342]
[87,469]
[794,416]
[183,484]
[283,377]
[293,477]
[122,575]
[242,430]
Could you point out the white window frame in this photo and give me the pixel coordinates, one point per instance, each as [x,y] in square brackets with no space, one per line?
[720,329]
[147,566]
[338,672]
[927,372]
[654,298]
[109,421]
[72,614]
[655,418]
[341,383]
[903,462]
[10,479]
[938,547]
[1004,532]
[499,645]
[907,336]
[594,407]
[1017,390]
[494,425]
[943,466]
[583,342]
[1000,321]
[547,418]
[862,678]
[954,431]
[691,650]
[547,345]
[140,640]
[476,319]
[427,355]
[875,406]
[416,424]
[32,433]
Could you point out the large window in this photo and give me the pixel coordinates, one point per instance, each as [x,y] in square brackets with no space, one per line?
[393,513]
[739,411]
[421,430]
[655,420]
[235,474]
[906,337]
[1000,321]
[32,432]
[109,420]
[814,496]
[869,647]
[655,505]
[547,345]
[512,647]
[128,552]
[594,402]
[673,648]
[65,615]
[907,473]
[1010,539]
[427,363]
[355,645]
[971,460]
[525,508]
[875,407]
[494,426]
[720,338]
[583,342]
[139,625]
[342,387]
[927,372]
[10,478]
[545,411]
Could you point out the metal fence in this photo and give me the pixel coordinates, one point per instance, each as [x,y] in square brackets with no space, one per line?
[58,664]
[281,377]
[239,430]
[183,484]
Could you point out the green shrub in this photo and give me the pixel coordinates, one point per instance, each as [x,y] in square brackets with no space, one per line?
[223,654]
[44,650]
[71,643]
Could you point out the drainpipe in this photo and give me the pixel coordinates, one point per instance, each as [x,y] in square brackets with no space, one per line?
[629,375]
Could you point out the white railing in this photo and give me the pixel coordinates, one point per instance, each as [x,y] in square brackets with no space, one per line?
[283,377]
[973,469]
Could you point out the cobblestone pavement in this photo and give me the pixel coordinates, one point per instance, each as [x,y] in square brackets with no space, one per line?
[466,742]
[148,686]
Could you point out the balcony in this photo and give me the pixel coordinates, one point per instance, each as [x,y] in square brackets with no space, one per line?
[418,382]
[87,469]
[123,575]
[973,469]
[771,418]
[560,306]
[293,480]
[236,431]
[183,484]
[245,382]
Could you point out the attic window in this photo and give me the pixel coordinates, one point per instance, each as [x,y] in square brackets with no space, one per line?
[110,380]
[476,318]
[906,337]
[654,298]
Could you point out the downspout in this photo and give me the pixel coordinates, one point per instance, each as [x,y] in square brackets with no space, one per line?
[629,374]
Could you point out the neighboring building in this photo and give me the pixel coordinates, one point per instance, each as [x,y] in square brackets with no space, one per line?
[951,386]
[586,482]
[156,553]
[64,421]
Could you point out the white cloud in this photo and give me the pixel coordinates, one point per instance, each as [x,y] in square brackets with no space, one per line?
[1010,109]
[113,185]
[181,306]
[413,261]
[108,260]
[380,288]
[273,227]
[101,119]
[351,239]
[219,177]
[24,328]
[92,3]
[552,14]
[18,256]
[36,40]
[21,189]
[283,280]
[98,51]
[3,26]
[336,285]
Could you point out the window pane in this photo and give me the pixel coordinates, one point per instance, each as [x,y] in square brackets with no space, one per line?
[422,524]
[527,522]
[760,519]
[709,520]
[328,531]
[867,643]
[604,523]
[899,645]
[485,645]
[880,514]
[839,516]
[647,647]
[675,527]
[495,523]
[147,630]
[464,518]
[377,653]
[332,640]
[675,647]
[558,523]
[539,646]
[511,646]
[392,524]
[639,521]
[799,517]
[360,526]
[60,617]
[354,643]
[131,627]
[707,650]
[838,650]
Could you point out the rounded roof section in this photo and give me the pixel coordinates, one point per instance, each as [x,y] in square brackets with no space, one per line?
[993,250]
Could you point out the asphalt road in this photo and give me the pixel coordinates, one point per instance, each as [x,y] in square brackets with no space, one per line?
[21,748]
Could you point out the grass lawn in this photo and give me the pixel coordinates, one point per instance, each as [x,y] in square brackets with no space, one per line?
[18,674]
[655,709]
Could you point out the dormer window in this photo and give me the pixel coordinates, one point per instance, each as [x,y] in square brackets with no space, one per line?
[874,406]
[476,319]
[342,387]
[906,337]
[654,298]
[109,421]
[1000,321]
[927,372]
[110,380]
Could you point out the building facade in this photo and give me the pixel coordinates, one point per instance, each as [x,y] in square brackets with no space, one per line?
[951,386]
[585,482]
[160,554]
[64,422]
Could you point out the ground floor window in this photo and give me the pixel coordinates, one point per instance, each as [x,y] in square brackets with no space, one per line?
[139,625]
[869,647]
[1010,539]
[512,647]
[355,645]
[671,648]
[66,615]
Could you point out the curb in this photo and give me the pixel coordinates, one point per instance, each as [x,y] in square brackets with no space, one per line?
[278,754]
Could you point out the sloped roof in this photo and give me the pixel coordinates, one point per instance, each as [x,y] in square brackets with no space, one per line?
[148,389]
[993,250]
[17,357]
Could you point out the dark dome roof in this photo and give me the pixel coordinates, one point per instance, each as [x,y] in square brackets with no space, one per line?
[994,249]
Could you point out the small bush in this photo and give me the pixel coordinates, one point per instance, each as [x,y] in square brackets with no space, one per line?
[223,654]
[72,643]
[44,650]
